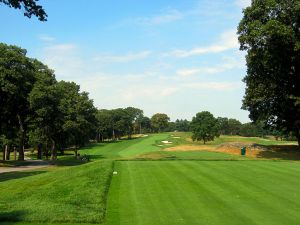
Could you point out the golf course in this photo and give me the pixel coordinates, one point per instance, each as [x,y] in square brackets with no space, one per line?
[142,181]
[150,112]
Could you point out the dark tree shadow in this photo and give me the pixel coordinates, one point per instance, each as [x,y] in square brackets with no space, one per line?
[93,157]
[18,174]
[13,216]
[284,152]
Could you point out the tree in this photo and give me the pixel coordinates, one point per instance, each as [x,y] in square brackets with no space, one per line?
[159,121]
[17,77]
[253,130]
[44,101]
[204,127]
[182,125]
[270,33]
[104,121]
[30,7]
[133,114]
[223,124]
[145,124]
[78,115]
[234,127]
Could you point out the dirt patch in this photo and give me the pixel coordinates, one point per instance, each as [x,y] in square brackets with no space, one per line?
[190,148]
[230,148]
[252,150]
[34,164]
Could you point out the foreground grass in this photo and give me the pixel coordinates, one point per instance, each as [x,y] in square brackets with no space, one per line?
[205,192]
[70,194]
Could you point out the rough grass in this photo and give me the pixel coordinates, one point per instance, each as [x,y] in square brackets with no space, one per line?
[205,192]
[69,194]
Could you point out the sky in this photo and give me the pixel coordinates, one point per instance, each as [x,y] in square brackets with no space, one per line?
[177,57]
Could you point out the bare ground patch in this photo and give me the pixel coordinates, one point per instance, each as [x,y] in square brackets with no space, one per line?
[287,152]
[190,148]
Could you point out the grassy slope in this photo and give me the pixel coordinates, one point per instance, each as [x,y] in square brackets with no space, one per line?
[71,194]
[205,192]
[126,148]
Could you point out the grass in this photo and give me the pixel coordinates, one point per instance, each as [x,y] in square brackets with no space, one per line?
[68,194]
[205,192]
[154,186]
[126,148]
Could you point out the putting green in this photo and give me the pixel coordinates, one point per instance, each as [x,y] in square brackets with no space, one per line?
[204,192]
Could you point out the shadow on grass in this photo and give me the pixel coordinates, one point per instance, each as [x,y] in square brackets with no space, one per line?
[13,163]
[96,157]
[18,174]
[67,162]
[283,152]
[13,216]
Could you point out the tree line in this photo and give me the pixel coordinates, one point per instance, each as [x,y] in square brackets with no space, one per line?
[37,110]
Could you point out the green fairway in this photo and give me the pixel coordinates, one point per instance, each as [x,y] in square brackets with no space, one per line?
[154,186]
[205,192]
[126,148]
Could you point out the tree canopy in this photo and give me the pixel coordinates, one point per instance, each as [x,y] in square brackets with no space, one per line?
[159,121]
[270,33]
[30,7]
[204,126]
[35,106]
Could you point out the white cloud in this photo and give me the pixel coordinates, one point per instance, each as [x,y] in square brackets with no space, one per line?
[243,3]
[220,86]
[64,59]
[228,64]
[228,40]
[46,38]
[123,58]
[167,16]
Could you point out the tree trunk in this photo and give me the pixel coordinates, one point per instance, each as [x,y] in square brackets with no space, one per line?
[298,137]
[15,153]
[21,139]
[8,150]
[53,150]
[76,152]
[46,151]
[39,149]
[114,137]
[3,151]
[140,128]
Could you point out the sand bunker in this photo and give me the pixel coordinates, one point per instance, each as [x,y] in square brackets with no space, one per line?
[166,142]
[176,137]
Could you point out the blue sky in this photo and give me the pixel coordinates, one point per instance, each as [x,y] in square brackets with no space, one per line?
[172,56]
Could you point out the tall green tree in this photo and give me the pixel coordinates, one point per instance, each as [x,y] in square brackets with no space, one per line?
[182,125]
[133,114]
[104,122]
[270,33]
[234,127]
[78,115]
[223,124]
[17,77]
[205,127]
[159,121]
[30,8]
[44,102]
